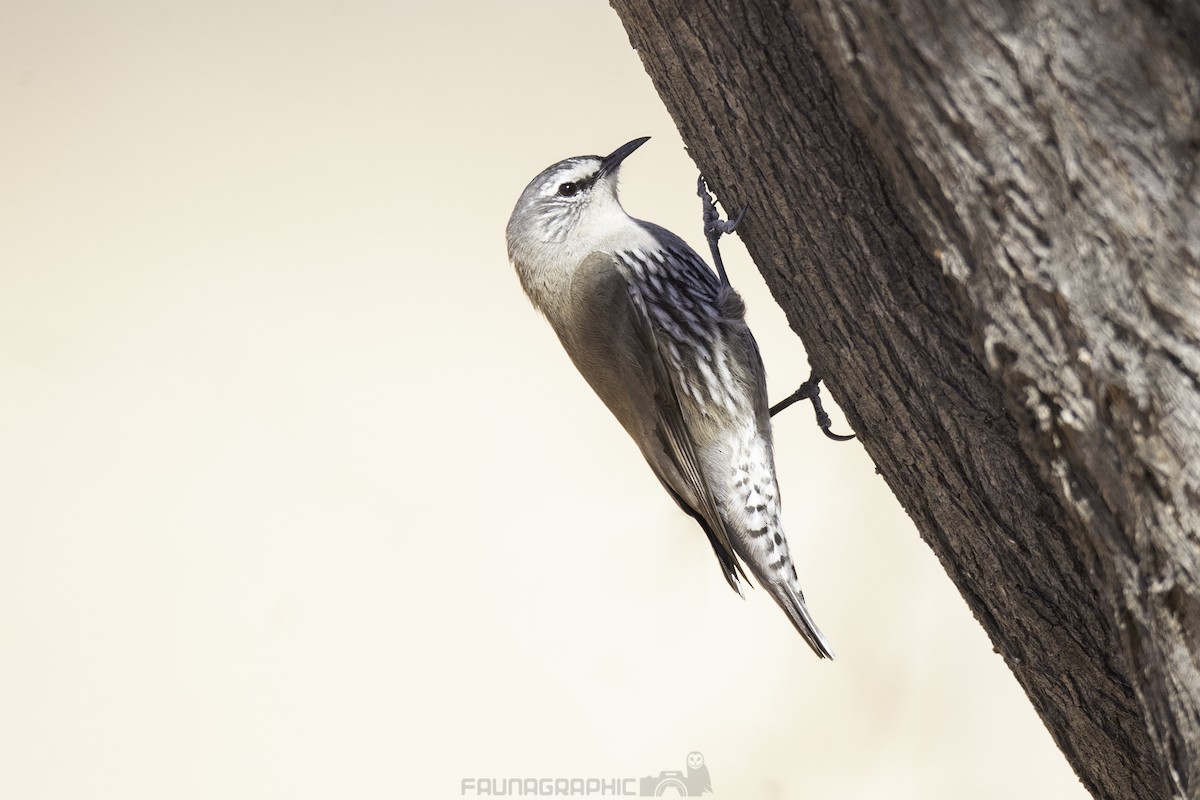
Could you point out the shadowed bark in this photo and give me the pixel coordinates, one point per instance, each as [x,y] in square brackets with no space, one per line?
[983,220]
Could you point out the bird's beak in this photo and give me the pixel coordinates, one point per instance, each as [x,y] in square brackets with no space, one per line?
[610,162]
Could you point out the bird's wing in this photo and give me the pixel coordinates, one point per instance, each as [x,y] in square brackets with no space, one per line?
[612,341]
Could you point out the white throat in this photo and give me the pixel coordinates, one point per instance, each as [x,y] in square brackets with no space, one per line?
[546,265]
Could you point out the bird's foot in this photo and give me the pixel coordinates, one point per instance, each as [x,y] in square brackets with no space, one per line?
[715,227]
[811,390]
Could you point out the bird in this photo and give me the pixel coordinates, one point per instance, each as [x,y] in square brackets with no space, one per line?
[698,778]
[664,343]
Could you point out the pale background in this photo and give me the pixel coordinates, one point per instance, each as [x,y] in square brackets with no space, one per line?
[299,498]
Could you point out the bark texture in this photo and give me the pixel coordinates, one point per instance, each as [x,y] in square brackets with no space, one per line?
[983,220]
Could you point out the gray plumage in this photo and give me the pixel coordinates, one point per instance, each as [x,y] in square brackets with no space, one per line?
[665,345]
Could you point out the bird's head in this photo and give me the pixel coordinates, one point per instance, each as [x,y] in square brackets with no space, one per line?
[571,204]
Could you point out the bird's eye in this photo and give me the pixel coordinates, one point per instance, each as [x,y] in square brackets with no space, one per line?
[569,189]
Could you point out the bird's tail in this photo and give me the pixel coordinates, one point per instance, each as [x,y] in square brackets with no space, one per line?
[792,603]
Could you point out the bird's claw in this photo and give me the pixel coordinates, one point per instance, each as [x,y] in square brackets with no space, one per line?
[714,226]
[731,225]
[811,390]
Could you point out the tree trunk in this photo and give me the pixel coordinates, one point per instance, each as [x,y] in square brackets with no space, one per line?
[983,220]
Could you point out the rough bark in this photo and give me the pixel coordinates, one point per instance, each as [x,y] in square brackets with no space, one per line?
[983,220]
